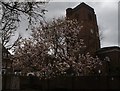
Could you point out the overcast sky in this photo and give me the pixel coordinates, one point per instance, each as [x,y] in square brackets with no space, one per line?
[106,12]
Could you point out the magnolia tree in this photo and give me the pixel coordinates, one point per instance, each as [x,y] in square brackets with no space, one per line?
[55,49]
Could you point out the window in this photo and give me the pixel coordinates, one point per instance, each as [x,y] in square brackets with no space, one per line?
[91,30]
[99,71]
[107,59]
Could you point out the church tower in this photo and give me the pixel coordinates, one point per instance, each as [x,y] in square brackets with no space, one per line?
[86,17]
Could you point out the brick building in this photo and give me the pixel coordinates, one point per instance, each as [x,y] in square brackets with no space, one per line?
[110,56]
[86,17]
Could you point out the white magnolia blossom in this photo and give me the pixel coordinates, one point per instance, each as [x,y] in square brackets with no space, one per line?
[54,49]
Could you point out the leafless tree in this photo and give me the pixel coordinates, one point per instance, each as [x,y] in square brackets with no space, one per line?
[11,16]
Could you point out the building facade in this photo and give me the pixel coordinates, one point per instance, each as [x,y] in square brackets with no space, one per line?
[86,17]
[110,57]
[89,32]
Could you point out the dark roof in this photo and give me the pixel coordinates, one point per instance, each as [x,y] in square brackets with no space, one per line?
[70,10]
[111,48]
[83,5]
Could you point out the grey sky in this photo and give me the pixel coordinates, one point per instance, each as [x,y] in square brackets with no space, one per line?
[106,12]
[107,17]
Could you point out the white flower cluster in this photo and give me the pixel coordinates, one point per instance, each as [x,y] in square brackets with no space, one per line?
[54,50]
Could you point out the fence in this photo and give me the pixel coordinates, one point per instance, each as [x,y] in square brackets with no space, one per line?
[12,82]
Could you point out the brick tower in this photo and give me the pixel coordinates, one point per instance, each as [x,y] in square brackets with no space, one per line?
[86,17]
